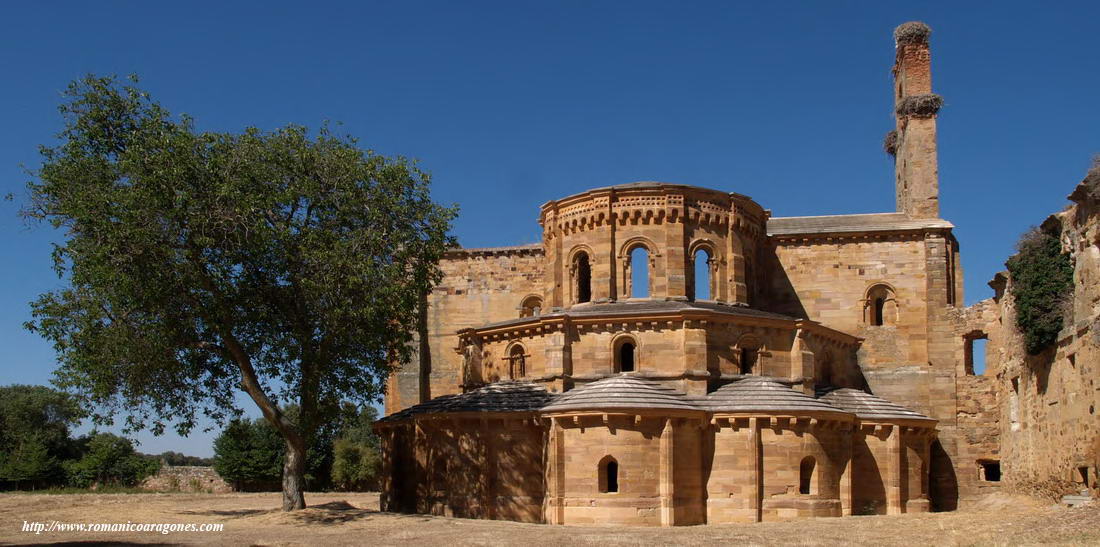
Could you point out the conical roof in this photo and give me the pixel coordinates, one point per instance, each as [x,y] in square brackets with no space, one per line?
[867,406]
[761,394]
[622,391]
[505,396]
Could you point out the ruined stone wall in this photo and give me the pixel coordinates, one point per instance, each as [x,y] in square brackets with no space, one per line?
[478,287]
[1050,429]
[977,414]
[186,478]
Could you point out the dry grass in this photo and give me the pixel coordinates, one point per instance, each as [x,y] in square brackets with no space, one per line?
[353,519]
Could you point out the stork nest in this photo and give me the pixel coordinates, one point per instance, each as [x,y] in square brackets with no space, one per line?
[913,32]
[890,142]
[920,106]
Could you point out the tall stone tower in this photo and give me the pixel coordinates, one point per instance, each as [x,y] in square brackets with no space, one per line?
[914,143]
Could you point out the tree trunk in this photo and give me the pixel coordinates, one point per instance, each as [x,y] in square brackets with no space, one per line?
[294,473]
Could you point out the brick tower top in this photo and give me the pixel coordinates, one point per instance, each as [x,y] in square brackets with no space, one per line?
[915,106]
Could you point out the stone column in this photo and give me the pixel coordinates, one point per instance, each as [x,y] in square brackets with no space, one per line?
[895,472]
[422,474]
[668,479]
[757,450]
[802,362]
[846,484]
[488,471]
[385,481]
[555,468]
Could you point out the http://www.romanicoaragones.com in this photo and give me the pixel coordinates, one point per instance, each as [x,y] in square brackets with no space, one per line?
[53,526]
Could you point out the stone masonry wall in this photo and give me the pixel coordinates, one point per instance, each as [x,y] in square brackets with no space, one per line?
[478,287]
[186,478]
[1050,429]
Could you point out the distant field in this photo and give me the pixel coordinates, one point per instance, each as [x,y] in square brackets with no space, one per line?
[353,519]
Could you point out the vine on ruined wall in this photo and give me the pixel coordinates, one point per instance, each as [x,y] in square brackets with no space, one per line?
[1092,179]
[1042,284]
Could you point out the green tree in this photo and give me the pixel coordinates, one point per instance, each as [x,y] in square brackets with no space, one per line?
[287,265]
[355,466]
[109,460]
[34,433]
[356,451]
[176,458]
[249,453]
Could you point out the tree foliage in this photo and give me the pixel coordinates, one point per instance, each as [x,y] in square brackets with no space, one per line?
[355,466]
[176,458]
[287,264]
[356,452]
[109,460]
[249,454]
[1042,281]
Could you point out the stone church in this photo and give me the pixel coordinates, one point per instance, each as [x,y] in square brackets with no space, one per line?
[773,368]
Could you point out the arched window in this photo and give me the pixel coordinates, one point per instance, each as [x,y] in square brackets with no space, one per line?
[825,370]
[806,475]
[609,475]
[626,358]
[639,272]
[582,278]
[517,362]
[880,307]
[749,356]
[748,353]
[701,286]
[531,306]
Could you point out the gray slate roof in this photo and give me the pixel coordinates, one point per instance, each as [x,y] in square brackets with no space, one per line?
[763,394]
[628,391]
[867,406]
[497,397]
[621,391]
[612,309]
[836,224]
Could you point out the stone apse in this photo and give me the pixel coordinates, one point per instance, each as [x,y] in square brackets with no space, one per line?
[810,368]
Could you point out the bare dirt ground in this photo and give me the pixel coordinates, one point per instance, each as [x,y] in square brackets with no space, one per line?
[354,519]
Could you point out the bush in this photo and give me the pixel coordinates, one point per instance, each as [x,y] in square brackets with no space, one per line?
[1042,282]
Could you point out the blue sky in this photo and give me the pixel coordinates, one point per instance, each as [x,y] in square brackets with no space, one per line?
[511,104]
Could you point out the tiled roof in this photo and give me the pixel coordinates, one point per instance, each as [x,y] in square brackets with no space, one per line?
[837,224]
[629,391]
[867,406]
[497,397]
[623,391]
[645,307]
[762,394]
